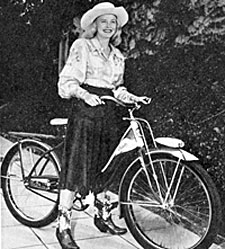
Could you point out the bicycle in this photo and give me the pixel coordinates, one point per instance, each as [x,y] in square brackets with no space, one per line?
[167,198]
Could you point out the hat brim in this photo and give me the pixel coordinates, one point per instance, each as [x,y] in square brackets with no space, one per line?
[90,16]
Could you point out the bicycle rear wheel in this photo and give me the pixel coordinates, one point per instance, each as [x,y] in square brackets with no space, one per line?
[187,216]
[30,178]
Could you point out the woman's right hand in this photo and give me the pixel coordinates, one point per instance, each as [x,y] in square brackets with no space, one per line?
[92,99]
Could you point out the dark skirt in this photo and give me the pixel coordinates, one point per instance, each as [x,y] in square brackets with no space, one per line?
[92,135]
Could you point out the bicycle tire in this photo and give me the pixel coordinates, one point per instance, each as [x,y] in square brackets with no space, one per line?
[30,206]
[191,221]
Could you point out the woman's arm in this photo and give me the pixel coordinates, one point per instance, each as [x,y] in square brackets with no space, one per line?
[73,75]
[74,71]
[122,94]
[68,88]
[72,89]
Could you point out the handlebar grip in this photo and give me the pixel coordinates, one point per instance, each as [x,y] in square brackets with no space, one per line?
[127,105]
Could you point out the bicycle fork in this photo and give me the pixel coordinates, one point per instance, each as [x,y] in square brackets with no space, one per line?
[167,200]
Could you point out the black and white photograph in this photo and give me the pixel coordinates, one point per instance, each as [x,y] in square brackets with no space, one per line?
[112,124]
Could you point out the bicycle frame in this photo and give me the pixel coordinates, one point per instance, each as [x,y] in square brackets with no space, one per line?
[133,138]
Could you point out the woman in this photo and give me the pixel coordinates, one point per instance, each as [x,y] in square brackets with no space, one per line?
[94,68]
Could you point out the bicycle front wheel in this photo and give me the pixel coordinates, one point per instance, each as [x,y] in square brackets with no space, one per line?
[30,178]
[172,204]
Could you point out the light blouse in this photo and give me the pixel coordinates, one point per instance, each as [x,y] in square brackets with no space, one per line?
[88,64]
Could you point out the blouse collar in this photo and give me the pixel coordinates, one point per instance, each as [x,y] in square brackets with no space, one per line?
[97,46]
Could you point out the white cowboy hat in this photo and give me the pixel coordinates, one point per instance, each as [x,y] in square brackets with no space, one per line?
[102,9]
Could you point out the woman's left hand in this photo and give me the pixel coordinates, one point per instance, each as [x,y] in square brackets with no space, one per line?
[143,99]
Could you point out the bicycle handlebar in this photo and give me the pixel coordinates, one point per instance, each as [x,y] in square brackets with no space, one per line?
[115,101]
[118,102]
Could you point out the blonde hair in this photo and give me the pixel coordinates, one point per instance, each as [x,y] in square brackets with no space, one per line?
[91,32]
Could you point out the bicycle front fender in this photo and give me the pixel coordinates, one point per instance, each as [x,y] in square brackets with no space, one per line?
[178,153]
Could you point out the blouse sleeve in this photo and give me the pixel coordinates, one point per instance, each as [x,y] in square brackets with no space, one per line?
[121,92]
[74,71]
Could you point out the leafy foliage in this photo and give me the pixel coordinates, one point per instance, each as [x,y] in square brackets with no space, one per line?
[160,23]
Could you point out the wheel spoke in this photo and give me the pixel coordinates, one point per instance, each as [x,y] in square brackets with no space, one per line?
[183,220]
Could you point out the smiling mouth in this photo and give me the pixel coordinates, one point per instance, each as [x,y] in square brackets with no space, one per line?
[107,30]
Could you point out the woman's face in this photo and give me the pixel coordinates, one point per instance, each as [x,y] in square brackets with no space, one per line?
[106,25]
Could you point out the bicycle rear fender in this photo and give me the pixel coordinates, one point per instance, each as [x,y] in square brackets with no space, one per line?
[15,147]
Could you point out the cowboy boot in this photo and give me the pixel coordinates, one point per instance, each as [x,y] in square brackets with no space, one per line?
[103,219]
[63,230]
